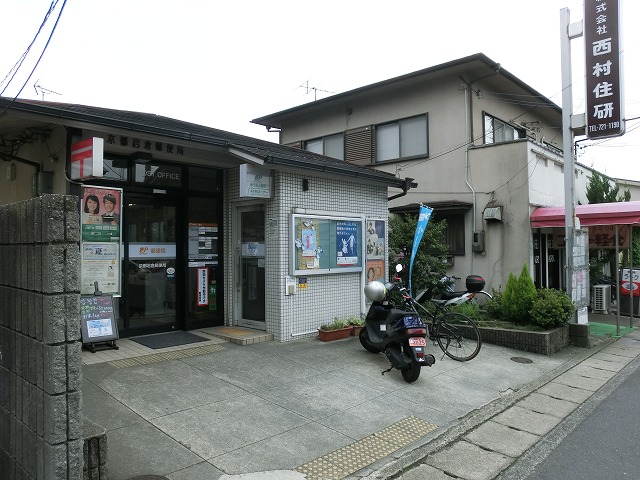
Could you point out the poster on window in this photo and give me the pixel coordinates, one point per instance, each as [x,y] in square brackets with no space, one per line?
[346,243]
[323,244]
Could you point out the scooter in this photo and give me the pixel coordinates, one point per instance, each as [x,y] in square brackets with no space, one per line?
[474,292]
[399,334]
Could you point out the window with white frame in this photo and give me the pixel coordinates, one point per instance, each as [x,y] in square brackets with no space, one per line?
[497,131]
[330,146]
[402,139]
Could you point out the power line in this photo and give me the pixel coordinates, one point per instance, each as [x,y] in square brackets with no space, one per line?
[22,58]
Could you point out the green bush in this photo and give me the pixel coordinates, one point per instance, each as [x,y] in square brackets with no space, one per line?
[551,308]
[494,307]
[518,297]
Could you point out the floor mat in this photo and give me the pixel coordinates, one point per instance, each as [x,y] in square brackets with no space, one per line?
[607,330]
[165,340]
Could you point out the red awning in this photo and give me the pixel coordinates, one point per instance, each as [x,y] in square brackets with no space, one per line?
[617,213]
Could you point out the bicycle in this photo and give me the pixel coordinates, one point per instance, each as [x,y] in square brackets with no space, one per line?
[456,334]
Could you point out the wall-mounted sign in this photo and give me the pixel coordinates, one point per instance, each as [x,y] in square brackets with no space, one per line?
[255,182]
[604,113]
[87,159]
[158,175]
[100,241]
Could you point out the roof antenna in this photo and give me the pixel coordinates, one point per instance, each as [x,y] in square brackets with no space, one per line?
[40,90]
[306,86]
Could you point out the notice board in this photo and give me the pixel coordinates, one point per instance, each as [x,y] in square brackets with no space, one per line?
[97,319]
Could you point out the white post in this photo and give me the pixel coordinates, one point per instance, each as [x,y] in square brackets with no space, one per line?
[567,147]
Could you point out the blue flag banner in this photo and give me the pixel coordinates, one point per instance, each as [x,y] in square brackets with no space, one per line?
[423,220]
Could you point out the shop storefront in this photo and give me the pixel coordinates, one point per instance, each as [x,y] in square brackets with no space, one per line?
[163,263]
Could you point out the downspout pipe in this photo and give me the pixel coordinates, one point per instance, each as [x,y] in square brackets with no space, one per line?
[467,103]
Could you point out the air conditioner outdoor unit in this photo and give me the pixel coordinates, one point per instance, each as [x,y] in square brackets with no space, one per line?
[601,298]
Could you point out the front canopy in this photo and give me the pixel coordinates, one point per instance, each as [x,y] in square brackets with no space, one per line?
[616,213]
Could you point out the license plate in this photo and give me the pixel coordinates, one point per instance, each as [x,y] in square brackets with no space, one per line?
[417,342]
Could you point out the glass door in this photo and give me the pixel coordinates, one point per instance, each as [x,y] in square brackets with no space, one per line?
[151,267]
[251,264]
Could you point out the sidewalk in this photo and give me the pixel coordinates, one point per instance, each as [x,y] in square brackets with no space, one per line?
[221,410]
[488,444]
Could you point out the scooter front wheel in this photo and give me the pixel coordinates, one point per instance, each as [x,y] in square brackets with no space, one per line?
[412,372]
[364,341]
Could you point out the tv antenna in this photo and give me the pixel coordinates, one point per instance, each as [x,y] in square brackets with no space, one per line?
[315,90]
[40,90]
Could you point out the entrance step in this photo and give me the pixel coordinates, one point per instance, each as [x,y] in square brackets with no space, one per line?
[239,335]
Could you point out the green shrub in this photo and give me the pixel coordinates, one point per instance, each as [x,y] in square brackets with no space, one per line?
[508,303]
[519,295]
[470,309]
[551,308]
[494,307]
[355,321]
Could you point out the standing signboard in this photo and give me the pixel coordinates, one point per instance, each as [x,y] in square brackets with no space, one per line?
[604,115]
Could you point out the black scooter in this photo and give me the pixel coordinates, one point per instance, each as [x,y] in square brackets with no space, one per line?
[399,334]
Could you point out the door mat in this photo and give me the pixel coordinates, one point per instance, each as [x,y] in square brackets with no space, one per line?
[165,340]
[607,330]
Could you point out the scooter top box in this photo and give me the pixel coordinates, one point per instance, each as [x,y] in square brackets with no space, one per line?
[474,283]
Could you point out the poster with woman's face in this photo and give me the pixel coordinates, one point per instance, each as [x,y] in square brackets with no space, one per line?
[100,214]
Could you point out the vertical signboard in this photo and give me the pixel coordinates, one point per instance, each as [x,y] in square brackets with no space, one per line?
[604,113]
[100,243]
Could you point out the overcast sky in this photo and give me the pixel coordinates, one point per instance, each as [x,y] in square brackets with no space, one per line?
[222,64]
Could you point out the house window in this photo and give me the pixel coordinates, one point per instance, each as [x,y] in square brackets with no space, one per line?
[454,233]
[402,139]
[331,146]
[497,131]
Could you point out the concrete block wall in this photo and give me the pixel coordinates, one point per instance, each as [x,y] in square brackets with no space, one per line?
[41,425]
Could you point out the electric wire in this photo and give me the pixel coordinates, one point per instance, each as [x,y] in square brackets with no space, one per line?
[22,58]
[55,25]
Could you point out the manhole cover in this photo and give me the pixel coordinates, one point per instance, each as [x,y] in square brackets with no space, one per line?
[521,360]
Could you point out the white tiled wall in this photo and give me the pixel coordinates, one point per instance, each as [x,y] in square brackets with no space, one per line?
[326,296]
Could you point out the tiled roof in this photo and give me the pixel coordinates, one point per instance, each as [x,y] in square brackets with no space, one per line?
[156,124]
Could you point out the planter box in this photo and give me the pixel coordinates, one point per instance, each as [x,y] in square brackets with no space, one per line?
[329,335]
[355,330]
[545,342]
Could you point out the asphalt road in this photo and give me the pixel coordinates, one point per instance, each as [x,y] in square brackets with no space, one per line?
[600,440]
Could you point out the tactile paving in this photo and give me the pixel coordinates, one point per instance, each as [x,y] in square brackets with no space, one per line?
[161,357]
[356,456]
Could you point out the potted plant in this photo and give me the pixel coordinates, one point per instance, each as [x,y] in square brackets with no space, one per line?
[356,325]
[334,331]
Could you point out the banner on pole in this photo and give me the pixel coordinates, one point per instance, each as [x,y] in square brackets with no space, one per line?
[423,220]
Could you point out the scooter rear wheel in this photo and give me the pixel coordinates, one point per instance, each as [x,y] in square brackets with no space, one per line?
[364,341]
[412,372]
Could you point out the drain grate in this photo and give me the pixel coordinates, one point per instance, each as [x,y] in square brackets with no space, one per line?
[348,460]
[521,360]
[161,357]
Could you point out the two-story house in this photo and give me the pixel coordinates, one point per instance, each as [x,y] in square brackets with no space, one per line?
[484,148]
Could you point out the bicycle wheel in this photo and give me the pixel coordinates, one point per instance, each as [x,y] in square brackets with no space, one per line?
[482,299]
[458,336]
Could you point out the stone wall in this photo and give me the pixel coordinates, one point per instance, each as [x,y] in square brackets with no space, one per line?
[41,427]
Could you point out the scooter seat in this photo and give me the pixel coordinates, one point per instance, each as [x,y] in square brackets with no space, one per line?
[450,295]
